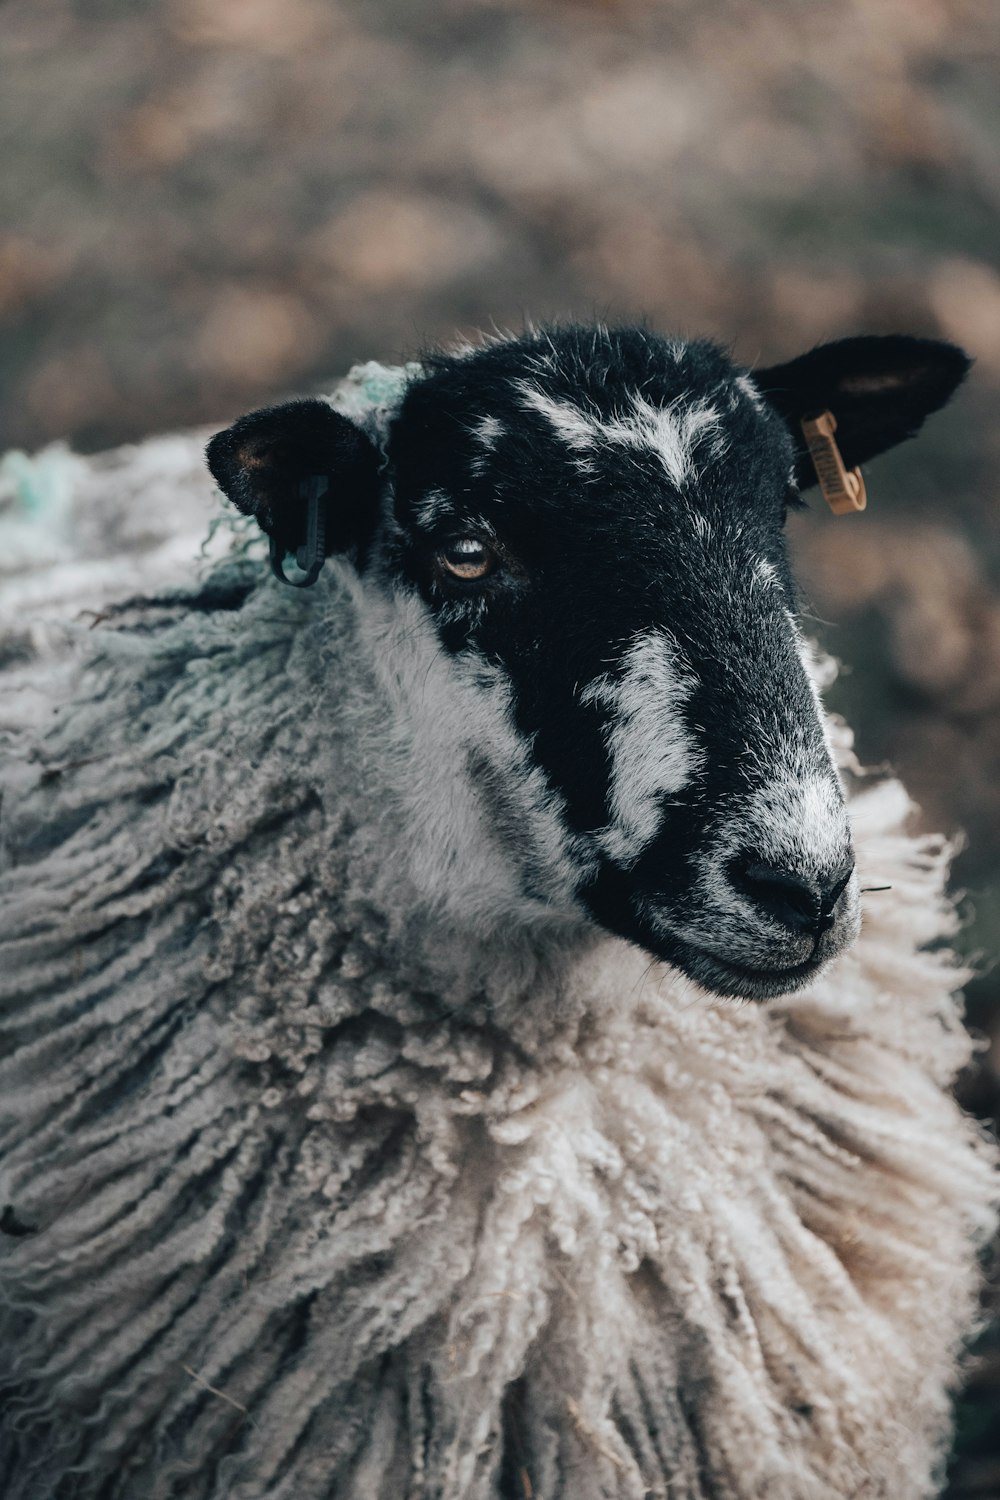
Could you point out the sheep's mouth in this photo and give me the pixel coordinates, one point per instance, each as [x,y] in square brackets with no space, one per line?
[733,980]
[648,921]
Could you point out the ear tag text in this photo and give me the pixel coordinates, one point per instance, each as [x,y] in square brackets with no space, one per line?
[843,489]
[311,554]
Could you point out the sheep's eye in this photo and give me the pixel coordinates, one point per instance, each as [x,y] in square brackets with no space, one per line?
[467,558]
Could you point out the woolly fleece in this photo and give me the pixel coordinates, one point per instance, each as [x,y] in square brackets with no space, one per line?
[333,1199]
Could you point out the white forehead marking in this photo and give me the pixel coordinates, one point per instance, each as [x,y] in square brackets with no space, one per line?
[432,507]
[653,753]
[672,433]
[577,430]
[751,391]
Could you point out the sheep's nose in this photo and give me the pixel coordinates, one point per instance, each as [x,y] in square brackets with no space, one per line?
[798,902]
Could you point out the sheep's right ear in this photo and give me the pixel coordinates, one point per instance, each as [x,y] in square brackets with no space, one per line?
[879,391]
[308,477]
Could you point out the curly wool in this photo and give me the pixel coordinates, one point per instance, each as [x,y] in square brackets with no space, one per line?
[329,1201]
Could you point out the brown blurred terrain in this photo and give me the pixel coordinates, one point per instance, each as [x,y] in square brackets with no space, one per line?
[205,204]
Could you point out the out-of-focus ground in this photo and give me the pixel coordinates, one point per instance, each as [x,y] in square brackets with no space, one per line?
[205,204]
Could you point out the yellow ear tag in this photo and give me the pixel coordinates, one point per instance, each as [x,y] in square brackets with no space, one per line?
[843,489]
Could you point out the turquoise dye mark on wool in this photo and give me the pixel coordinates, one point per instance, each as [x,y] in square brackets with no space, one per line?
[384,385]
[369,392]
[40,487]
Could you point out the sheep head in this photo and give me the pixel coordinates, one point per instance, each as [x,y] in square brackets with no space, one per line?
[595,517]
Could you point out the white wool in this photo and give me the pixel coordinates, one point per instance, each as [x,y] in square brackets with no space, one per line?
[338,1194]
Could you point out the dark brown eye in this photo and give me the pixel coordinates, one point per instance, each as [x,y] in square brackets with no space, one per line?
[467,558]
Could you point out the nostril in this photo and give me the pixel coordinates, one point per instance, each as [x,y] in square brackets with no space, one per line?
[832,893]
[800,904]
[788,898]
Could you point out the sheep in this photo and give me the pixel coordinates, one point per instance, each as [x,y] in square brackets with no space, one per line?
[443,1055]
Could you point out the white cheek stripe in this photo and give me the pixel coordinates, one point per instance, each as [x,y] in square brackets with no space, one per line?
[653,752]
[442,708]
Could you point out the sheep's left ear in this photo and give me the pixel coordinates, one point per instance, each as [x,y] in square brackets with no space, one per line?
[308,477]
[880,390]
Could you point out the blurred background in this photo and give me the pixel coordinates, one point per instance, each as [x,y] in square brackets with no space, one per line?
[207,204]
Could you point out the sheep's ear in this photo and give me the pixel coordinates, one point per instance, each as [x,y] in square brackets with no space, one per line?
[306,474]
[880,390]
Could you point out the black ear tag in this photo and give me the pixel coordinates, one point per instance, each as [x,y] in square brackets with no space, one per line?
[311,555]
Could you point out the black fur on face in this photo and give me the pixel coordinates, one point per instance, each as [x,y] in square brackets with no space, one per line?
[630,495]
[599,515]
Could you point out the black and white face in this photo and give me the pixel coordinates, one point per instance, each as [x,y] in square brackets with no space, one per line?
[599,516]
[602,519]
